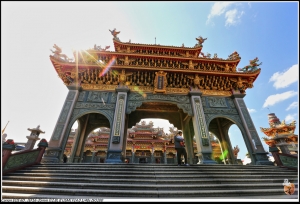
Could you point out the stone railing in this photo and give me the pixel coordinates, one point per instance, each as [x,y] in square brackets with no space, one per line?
[289,161]
[19,160]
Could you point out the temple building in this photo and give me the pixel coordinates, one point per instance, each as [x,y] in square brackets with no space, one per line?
[145,144]
[281,135]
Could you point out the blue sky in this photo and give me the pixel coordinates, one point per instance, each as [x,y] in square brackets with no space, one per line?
[32,93]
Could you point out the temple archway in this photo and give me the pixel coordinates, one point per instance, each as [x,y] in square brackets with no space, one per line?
[193,92]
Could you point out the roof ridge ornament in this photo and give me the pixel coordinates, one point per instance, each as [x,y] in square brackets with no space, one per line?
[252,66]
[200,41]
[57,53]
[115,33]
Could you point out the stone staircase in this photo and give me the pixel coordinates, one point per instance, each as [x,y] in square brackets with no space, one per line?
[90,180]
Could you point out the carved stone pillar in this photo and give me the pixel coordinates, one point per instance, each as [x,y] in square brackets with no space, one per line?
[114,152]
[188,138]
[72,154]
[93,156]
[165,157]
[133,157]
[256,151]
[54,149]
[201,131]
[152,158]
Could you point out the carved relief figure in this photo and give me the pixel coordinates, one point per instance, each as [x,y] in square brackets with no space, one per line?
[122,77]
[197,81]
[190,65]
[226,67]
[239,84]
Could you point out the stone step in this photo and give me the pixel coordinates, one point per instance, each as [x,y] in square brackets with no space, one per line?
[157,176]
[142,193]
[115,186]
[153,172]
[146,166]
[149,180]
[66,198]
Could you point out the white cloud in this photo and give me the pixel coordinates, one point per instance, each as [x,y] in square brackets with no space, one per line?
[273,99]
[292,105]
[284,79]
[217,9]
[290,117]
[232,17]
[251,110]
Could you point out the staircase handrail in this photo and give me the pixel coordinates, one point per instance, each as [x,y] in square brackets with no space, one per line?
[13,161]
[289,161]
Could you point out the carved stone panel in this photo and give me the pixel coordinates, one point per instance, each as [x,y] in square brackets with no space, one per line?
[118,119]
[81,96]
[95,105]
[219,111]
[201,120]
[95,96]
[230,102]
[216,102]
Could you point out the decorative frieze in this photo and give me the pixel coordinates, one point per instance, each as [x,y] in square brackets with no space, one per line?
[94,105]
[216,92]
[219,111]
[174,98]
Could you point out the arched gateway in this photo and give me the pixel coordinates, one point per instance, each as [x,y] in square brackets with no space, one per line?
[197,93]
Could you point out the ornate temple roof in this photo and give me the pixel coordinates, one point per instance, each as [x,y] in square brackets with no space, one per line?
[140,62]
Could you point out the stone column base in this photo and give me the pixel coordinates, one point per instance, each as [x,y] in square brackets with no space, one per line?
[51,155]
[262,159]
[114,157]
[205,158]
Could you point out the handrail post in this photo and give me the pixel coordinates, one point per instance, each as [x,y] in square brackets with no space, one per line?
[42,147]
